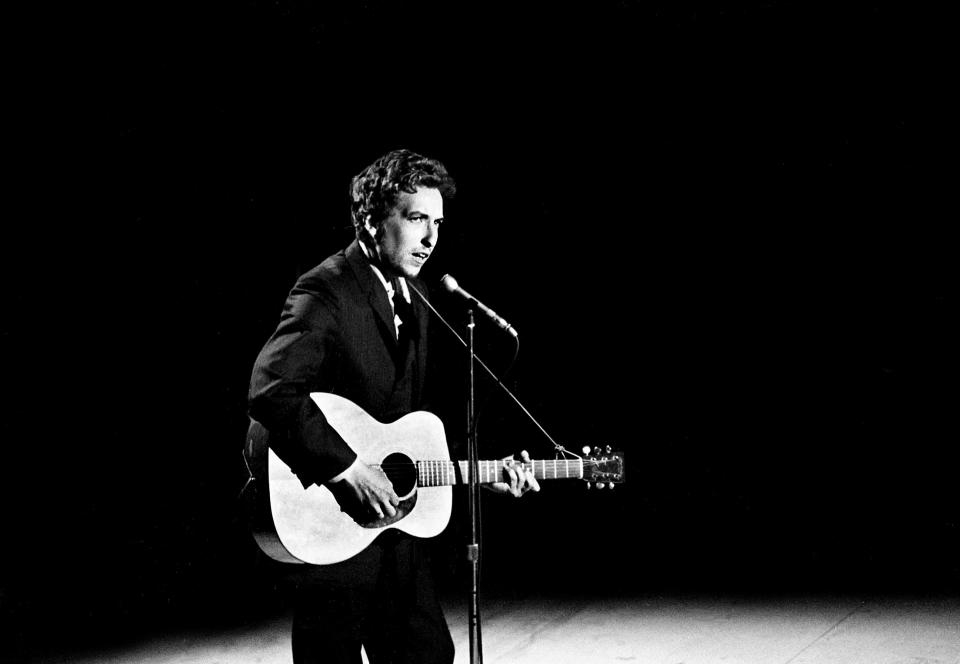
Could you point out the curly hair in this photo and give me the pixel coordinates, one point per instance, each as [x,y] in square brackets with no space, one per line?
[376,189]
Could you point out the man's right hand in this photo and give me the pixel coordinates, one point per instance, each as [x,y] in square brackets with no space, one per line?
[364,493]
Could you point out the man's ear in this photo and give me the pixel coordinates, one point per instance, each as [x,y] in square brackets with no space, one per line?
[371,230]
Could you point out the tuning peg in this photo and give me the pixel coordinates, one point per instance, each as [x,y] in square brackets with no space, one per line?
[586,449]
[600,485]
[610,486]
[609,449]
[589,485]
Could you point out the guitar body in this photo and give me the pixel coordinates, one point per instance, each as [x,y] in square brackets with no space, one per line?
[297,525]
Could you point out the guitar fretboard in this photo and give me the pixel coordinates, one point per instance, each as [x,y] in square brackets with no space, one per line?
[446,473]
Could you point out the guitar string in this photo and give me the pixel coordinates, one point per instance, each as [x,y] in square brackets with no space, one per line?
[527,464]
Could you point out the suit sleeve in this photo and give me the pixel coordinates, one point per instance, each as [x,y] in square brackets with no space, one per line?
[301,357]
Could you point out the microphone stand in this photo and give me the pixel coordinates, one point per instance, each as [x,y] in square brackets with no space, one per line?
[473,492]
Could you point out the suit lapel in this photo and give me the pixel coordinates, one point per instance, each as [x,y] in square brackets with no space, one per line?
[374,292]
[376,296]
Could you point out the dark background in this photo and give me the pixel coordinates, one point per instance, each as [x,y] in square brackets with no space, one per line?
[721,229]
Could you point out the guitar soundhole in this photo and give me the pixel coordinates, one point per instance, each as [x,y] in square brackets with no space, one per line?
[402,473]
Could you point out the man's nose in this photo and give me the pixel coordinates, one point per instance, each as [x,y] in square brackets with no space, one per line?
[430,235]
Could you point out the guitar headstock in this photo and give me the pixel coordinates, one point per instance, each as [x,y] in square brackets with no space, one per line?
[603,466]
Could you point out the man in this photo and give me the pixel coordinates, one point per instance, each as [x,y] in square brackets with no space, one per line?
[353,326]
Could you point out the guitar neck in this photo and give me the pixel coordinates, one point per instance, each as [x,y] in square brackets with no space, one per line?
[447,473]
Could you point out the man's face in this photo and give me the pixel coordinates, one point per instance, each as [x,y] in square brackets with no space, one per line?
[409,233]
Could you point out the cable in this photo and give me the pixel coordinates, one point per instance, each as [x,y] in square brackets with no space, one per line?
[560,449]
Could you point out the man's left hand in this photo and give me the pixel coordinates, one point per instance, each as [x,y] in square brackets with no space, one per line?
[517,479]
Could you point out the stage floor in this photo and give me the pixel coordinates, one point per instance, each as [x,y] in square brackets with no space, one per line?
[654,630]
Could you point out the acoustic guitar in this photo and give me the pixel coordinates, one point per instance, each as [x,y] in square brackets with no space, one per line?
[296,525]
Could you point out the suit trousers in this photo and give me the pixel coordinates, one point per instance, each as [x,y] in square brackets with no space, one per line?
[383,598]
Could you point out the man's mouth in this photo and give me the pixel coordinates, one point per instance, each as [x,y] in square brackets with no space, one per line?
[422,255]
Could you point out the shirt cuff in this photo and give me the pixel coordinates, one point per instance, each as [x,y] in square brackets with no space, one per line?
[340,476]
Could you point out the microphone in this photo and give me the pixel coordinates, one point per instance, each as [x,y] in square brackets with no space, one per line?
[451,285]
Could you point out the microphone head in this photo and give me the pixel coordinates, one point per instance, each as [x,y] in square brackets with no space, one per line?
[449,283]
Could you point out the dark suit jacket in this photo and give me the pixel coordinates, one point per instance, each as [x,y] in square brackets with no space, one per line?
[336,334]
